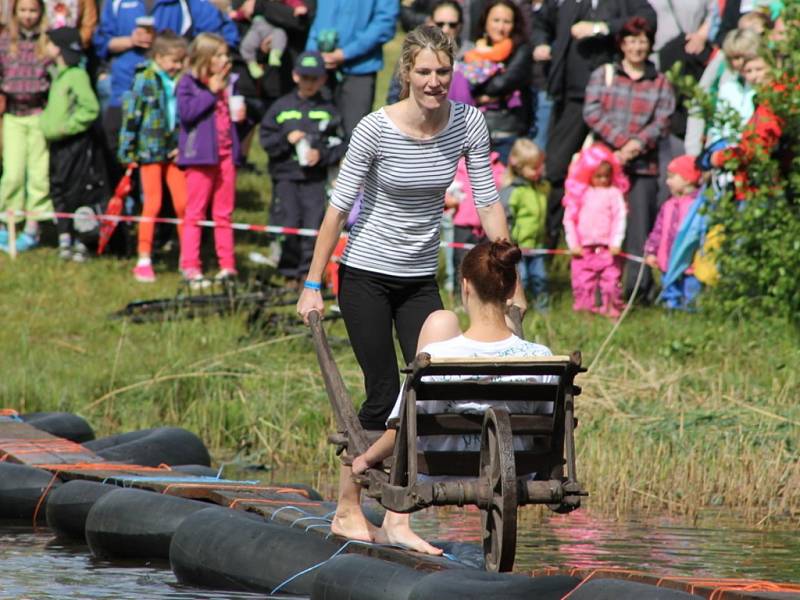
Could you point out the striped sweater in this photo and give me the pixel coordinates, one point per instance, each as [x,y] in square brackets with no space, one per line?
[404,181]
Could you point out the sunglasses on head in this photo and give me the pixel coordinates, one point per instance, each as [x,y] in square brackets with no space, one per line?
[450,24]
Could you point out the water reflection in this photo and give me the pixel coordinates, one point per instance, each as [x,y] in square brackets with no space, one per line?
[716,547]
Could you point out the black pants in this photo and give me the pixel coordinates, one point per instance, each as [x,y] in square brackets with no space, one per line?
[370,304]
[112,123]
[77,175]
[642,212]
[297,204]
[566,135]
[353,96]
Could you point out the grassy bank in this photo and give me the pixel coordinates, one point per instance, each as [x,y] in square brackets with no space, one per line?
[680,413]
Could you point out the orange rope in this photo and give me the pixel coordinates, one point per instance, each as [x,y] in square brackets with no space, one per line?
[718,585]
[42,497]
[103,466]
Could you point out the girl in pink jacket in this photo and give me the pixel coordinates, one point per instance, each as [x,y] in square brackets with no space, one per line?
[594,224]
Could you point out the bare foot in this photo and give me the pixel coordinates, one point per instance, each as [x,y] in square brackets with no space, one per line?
[397,530]
[353,526]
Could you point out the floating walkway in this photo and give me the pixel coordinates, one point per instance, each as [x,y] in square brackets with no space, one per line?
[152,495]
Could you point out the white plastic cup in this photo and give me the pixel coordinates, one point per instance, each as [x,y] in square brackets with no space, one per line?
[302,147]
[237,108]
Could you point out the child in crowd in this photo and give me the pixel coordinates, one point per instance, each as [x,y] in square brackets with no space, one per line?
[300,132]
[725,68]
[478,65]
[259,30]
[682,179]
[149,137]
[524,197]
[594,225]
[66,123]
[466,223]
[207,144]
[79,14]
[24,81]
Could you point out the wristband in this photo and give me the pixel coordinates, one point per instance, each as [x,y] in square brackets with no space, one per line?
[312,285]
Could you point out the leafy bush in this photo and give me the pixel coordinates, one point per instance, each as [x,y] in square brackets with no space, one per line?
[759,259]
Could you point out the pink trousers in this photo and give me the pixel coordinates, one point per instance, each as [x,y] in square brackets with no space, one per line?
[596,268]
[215,185]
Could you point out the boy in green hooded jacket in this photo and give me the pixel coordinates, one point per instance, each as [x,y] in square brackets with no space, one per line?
[66,123]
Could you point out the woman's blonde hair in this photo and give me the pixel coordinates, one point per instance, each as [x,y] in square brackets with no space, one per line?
[418,39]
[13,30]
[523,153]
[201,51]
[741,42]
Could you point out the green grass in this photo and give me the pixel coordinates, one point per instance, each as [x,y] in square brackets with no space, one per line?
[681,412]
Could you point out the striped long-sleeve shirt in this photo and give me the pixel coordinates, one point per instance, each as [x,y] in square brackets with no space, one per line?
[404,181]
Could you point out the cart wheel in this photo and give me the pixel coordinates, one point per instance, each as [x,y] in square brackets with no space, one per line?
[497,471]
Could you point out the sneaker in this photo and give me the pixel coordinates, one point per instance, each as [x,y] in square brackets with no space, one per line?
[80,253]
[195,279]
[65,252]
[26,241]
[225,275]
[144,273]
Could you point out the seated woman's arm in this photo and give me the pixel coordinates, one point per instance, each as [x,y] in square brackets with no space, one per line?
[378,451]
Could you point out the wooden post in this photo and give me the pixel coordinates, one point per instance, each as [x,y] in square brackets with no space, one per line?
[12,235]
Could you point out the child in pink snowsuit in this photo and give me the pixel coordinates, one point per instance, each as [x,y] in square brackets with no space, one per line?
[594,224]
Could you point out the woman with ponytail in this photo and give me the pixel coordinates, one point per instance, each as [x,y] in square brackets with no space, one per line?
[400,160]
[488,281]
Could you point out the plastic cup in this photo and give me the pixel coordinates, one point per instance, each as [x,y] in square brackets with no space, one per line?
[237,108]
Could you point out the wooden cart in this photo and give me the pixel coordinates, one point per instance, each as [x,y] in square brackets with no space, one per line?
[527,449]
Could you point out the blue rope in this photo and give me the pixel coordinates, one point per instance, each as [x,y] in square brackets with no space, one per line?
[339,551]
[314,517]
[311,568]
[317,525]
[171,479]
[300,510]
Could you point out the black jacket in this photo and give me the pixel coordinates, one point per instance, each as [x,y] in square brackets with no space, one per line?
[551,25]
[515,77]
[320,121]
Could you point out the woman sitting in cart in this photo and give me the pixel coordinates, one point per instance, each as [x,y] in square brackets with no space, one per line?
[489,277]
[403,157]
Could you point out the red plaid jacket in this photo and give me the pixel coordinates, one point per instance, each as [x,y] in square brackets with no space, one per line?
[630,109]
[24,76]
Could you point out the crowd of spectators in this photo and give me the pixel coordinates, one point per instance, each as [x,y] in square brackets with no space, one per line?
[183,87]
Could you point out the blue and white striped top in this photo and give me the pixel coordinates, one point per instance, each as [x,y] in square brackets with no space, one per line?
[404,181]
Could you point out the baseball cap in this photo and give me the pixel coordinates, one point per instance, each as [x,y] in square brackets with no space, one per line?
[310,63]
[69,42]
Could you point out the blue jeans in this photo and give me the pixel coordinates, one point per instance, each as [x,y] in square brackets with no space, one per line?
[682,293]
[534,280]
[541,107]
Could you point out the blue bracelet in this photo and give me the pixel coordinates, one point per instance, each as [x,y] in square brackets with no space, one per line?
[312,285]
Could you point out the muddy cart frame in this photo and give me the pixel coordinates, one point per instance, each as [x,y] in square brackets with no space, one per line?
[527,448]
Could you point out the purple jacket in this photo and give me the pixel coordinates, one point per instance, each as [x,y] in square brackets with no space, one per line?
[197,139]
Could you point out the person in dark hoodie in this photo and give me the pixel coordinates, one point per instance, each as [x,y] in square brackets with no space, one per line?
[576,37]
[300,133]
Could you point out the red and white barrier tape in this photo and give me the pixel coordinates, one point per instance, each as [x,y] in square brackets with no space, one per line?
[264,229]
